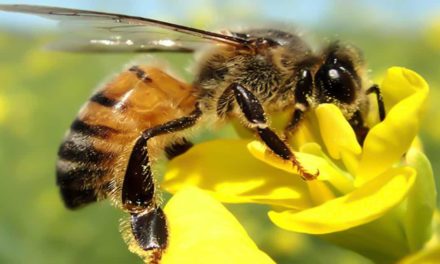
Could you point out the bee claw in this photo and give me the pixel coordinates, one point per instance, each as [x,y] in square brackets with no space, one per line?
[303,173]
[308,176]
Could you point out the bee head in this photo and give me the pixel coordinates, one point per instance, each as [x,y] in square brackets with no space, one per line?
[337,80]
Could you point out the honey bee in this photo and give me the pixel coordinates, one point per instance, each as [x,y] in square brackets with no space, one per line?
[145,112]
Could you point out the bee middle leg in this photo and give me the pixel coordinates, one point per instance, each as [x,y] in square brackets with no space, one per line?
[148,221]
[254,114]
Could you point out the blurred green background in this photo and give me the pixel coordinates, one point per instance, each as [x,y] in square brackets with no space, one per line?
[40,93]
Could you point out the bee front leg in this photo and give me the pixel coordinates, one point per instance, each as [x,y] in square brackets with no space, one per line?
[254,114]
[303,90]
[375,89]
[357,121]
[148,221]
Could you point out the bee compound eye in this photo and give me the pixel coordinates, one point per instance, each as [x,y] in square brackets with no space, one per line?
[335,83]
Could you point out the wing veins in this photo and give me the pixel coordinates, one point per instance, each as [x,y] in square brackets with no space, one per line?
[48,12]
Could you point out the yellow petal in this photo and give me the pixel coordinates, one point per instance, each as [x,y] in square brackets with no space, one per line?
[227,170]
[386,143]
[201,230]
[400,83]
[340,180]
[310,163]
[312,159]
[361,206]
[336,132]
[320,192]
[338,136]
[306,132]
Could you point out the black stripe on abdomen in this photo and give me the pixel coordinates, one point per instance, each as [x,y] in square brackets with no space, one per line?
[103,100]
[78,147]
[140,74]
[75,174]
[99,131]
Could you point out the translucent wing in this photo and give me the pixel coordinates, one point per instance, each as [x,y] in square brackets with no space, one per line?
[99,31]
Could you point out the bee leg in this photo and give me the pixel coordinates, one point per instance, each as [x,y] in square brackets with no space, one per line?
[150,230]
[375,89]
[148,222]
[357,121]
[297,117]
[254,114]
[303,90]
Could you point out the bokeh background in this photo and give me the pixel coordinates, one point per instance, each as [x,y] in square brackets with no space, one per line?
[40,93]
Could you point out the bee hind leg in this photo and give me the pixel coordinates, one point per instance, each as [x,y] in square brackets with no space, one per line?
[254,114]
[148,221]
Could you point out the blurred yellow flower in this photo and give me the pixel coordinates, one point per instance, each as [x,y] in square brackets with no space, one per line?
[377,199]
[432,33]
[3,109]
[429,256]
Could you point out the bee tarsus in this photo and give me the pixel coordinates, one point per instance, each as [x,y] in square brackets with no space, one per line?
[150,229]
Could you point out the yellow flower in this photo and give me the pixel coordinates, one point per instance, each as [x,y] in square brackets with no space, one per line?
[377,199]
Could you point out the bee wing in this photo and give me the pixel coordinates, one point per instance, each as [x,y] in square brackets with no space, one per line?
[128,38]
[99,31]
